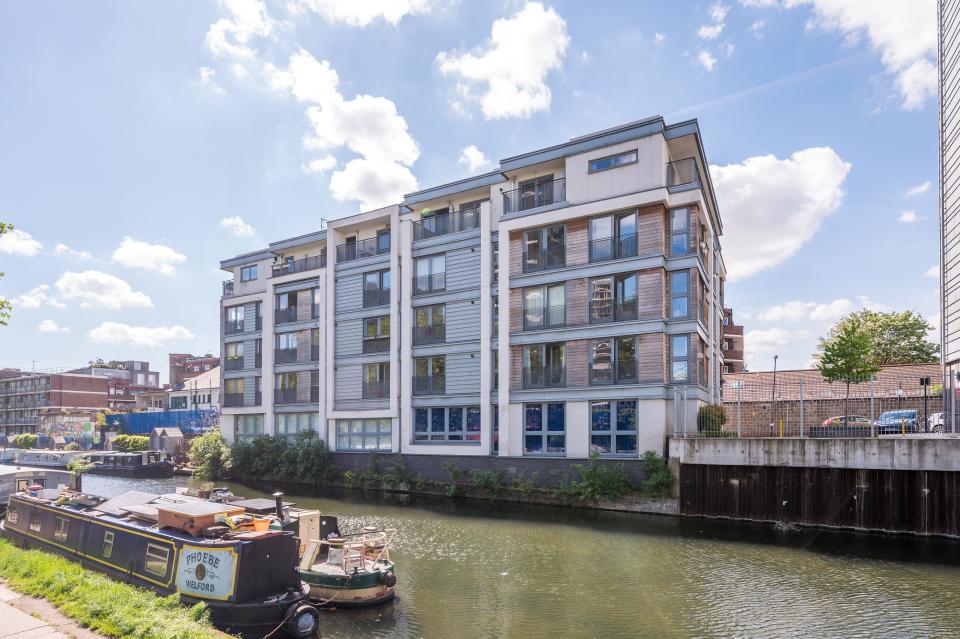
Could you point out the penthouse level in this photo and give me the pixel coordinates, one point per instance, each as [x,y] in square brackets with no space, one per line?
[550,308]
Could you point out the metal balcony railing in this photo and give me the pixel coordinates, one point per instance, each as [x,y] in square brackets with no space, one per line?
[610,248]
[376,345]
[364,248]
[314,393]
[446,223]
[257,398]
[531,196]
[429,283]
[285,315]
[258,360]
[284,355]
[544,377]
[232,328]
[301,265]
[285,396]
[544,259]
[314,311]
[431,385]
[227,288]
[376,390]
[433,334]
[682,173]
[233,363]
[536,318]
[620,372]
[376,297]
[233,399]
[315,353]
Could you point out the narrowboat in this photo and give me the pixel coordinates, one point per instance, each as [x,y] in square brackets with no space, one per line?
[148,463]
[15,479]
[174,544]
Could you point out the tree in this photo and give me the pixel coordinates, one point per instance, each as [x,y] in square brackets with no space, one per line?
[5,305]
[210,455]
[131,443]
[896,338]
[846,355]
[25,440]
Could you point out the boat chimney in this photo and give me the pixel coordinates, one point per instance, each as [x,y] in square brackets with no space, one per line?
[279,497]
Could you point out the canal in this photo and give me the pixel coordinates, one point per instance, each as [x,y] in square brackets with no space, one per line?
[474,569]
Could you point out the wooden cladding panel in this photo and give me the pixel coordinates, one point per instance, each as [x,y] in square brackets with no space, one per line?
[650,357]
[516,253]
[651,230]
[578,242]
[578,302]
[516,367]
[516,310]
[577,362]
[650,293]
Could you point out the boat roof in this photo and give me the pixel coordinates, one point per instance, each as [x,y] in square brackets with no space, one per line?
[12,469]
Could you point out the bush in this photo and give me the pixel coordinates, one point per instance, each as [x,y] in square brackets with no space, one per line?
[711,418]
[72,446]
[396,474]
[598,480]
[131,443]
[657,480]
[489,480]
[210,456]
[453,488]
[525,485]
[25,440]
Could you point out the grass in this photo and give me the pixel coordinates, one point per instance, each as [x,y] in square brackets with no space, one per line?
[94,600]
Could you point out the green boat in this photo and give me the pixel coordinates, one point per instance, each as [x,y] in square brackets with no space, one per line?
[349,570]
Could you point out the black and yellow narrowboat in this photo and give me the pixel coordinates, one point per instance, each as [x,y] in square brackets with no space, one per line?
[174,544]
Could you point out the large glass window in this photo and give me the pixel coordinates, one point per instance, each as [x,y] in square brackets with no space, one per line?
[457,424]
[234,320]
[62,529]
[613,360]
[376,380]
[233,356]
[364,435]
[679,294]
[156,559]
[376,288]
[248,427]
[613,298]
[679,231]
[544,307]
[290,425]
[286,307]
[613,236]
[613,427]
[543,365]
[285,388]
[430,325]
[680,358]
[544,429]
[430,375]
[248,273]
[430,274]
[544,248]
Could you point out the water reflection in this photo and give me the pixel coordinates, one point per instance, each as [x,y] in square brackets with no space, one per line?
[476,569]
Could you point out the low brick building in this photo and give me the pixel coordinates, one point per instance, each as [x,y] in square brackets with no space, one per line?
[26,397]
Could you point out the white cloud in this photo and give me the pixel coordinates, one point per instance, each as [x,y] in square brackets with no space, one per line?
[50,326]
[146,336]
[919,189]
[237,226]
[710,32]
[474,158]
[149,257]
[375,183]
[62,250]
[513,65]
[868,304]
[765,340]
[759,3]
[208,79]
[706,60]
[757,27]
[37,297]
[231,37]
[933,271]
[361,13]
[659,38]
[726,48]
[94,288]
[18,242]
[798,311]
[909,217]
[903,32]
[320,165]
[772,207]
[718,13]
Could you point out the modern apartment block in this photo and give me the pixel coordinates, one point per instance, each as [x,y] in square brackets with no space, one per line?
[731,343]
[949,135]
[549,308]
[29,396]
[183,366]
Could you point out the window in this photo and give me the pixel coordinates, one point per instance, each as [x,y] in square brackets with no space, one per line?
[155,561]
[383,241]
[248,273]
[680,358]
[13,513]
[496,315]
[613,298]
[496,369]
[544,248]
[364,435]
[544,429]
[612,161]
[727,368]
[613,427]
[679,294]
[376,288]
[376,381]
[543,365]
[496,262]
[35,522]
[429,375]
[455,424]
[286,348]
[258,352]
[180,402]
[258,310]
[285,388]
[613,360]
[286,309]
[544,307]
[234,320]
[314,302]
[430,274]
[495,425]
[290,425]
[107,549]
[613,236]
[248,427]
[537,192]
[376,334]
[314,344]
[62,529]
[233,356]
[679,231]
[430,324]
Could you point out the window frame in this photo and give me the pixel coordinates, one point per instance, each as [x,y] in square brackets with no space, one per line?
[36,523]
[617,303]
[381,434]
[615,360]
[61,529]
[312,424]
[431,261]
[13,513]
[614,431]
[464,435]
[676,359]
[684,295]
[245,272]
[545,431]
[615,163]
[544,291]
[543,244]
[106,548]
[677,233]
[147,560]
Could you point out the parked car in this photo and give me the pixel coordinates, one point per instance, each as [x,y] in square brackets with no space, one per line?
[843,426]
[895,422]
[935,423]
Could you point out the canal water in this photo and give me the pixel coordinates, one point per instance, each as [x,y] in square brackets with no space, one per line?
[471,568]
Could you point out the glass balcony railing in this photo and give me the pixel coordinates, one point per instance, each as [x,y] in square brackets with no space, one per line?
[434,334]
[623,371]
[430,385]
[376,297]
[682,173]
[445,223]
[285,396]
[232,328]
[425,284]
[537,318]
[233,399]
[227,288]
[610,248]
[377,345]
[284,355]
[376,390]
[535,195]
[535,260]
[544,377]
[285,315]
[301,265]
[233,363]
[364,248]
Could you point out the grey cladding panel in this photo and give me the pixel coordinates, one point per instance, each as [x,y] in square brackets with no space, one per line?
[348,379]
[463,321]
[349,292]
[349,337]
[463,269]
[463,373]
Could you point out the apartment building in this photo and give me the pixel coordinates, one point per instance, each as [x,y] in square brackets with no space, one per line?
[731,343]
[183,366]
[948,23]
[28,397]
[549,308]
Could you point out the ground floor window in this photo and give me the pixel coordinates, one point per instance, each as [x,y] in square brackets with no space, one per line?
[364,434]
[248,427]
[459,424]
[290,425]
[544,429]
[613,427]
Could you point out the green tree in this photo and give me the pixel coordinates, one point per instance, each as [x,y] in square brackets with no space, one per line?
[210,455]
[846,355]
[896,337]
[25,440]
[131,443]
[5,306]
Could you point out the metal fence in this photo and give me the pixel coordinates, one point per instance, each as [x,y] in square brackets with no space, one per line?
[814,408]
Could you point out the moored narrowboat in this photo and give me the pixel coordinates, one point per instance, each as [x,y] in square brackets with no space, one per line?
[148,463]
[15,479]
[173,544]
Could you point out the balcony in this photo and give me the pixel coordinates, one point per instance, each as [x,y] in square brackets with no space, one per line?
[259,324]
[285,396]
[315,353]
[233,363]
[733,355]
[376,297]
[257,398]
[534,196]
[445,223]
[376,390]
[544,377]
[544,259]
[314,311]
[364,248]
[298,266]
[376,345]
[537,318]
[227,288]
[429,385]
[284,355]
[682,174]
[433,334]
[232,399]
[315,393]
[285,315]
[425,284]
[621,372]
[610,248]
[258,360]
[232,328]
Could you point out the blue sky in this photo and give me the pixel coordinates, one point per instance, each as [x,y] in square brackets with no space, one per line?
[140,143]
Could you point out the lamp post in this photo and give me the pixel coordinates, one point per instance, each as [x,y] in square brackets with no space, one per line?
[773,394]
